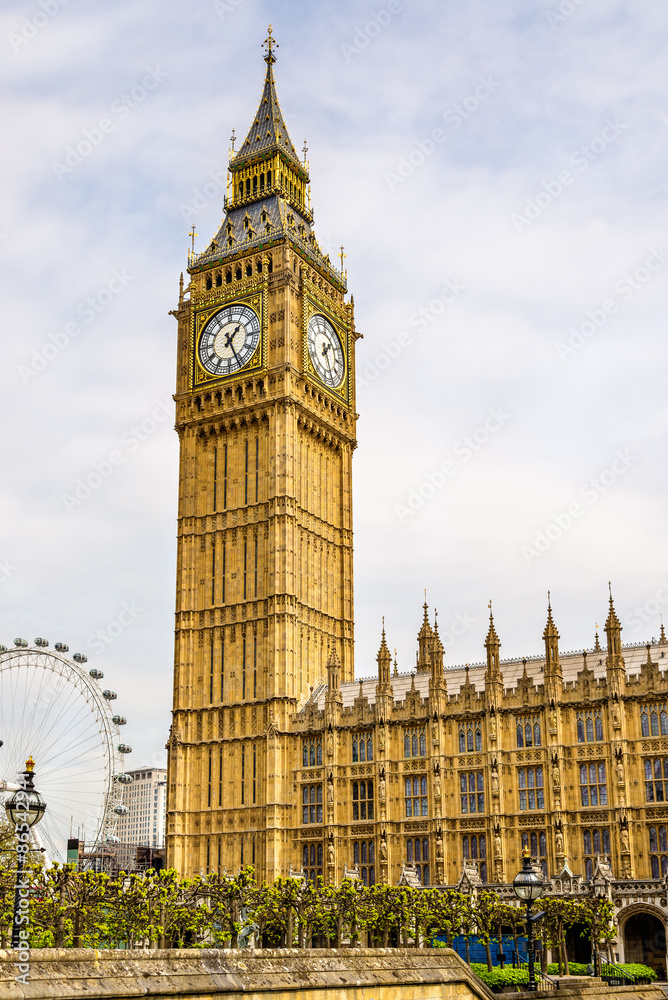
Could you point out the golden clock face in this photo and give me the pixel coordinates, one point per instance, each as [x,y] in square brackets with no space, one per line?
[229,340]
[325,351]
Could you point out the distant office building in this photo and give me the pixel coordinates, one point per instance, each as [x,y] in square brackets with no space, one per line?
[145,798]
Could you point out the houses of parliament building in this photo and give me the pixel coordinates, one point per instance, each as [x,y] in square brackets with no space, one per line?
[278,757]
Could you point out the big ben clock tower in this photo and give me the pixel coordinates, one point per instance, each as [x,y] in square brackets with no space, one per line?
[265,413]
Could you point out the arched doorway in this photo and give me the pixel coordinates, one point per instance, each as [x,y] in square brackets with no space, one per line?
[645,941]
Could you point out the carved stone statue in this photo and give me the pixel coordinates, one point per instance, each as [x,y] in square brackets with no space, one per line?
[492,725]
[434,731]
[437,785]
[495,781]
[556,777]
[330,790]
[615,715]
[330,853]
[383,849]
[330,744]
[559,842]
[625,840]
[381,738]
[439,846]
[381,786]
[497,844]
[619,767]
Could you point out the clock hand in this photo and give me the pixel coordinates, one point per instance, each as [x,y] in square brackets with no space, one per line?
[228,343]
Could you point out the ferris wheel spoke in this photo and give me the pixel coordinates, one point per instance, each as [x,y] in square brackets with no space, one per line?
[51,708]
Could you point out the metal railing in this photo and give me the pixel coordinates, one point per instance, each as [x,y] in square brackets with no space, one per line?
[614,975]
[543,982]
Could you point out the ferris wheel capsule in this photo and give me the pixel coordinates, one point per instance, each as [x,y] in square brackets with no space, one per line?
[113,840]
[124,748]
[42,642]
[119,720]
[109,695]
[96,674]
[80,657]
[124,779]
[21,643]
[121,810]
[62,647]
[3,649]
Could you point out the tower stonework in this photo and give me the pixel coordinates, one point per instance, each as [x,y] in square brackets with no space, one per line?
[278,758]
[265,413]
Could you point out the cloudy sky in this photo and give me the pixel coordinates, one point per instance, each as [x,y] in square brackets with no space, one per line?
[496,173]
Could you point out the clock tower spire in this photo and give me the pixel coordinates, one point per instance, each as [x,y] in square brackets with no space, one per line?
[265,413]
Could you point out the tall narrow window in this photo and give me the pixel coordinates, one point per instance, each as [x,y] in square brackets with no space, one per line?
[208,797]
[220,789]
[246,476]
[219,855]
[253,859]
[224,561]
[215,477]
[243,668]
[208,848]
[222,669]
[255,666]
[245,565]
[213,571]
[243,778]
[257,467]
[255,571]
[225,478]
[254,771]
[211,676]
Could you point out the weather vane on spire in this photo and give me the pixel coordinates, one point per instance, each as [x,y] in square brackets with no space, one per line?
[304,150]
[270,42]
[233,138]
[193,234]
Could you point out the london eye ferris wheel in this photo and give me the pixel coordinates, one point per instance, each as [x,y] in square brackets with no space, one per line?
[53,707]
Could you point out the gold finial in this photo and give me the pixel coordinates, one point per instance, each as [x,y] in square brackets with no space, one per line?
[548,600]
[270,43]
[233,138]
[193,234]
[304,150]
[30,765]
[342,257]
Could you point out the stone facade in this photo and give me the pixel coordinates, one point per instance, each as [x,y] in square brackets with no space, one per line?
[277,757]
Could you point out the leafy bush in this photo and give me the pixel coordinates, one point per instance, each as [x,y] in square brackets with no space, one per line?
[636,971]
[574,969]
[630,970]
[499,977]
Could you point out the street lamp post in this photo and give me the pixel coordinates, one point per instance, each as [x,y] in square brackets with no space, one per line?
[24,810]
[528,887]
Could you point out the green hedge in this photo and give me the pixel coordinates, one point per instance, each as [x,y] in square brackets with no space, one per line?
[630,970]
[500,977]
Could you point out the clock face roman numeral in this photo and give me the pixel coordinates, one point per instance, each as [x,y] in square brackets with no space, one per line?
[229,340]
[325,351]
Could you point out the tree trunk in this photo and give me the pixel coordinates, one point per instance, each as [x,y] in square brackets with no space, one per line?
[468,949]
[488,953]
